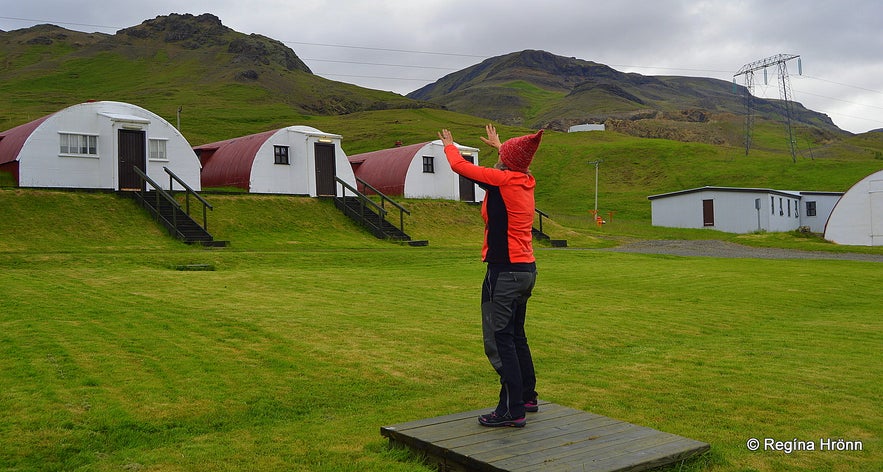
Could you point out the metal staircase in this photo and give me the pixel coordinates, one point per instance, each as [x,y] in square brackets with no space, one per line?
[373,216]
[168,212]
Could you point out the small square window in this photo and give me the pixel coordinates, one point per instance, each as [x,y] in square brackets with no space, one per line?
[156,149]
[810,208]
[428,165]
[280,155]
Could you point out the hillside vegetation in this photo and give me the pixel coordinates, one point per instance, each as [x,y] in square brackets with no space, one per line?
[230,81]
[229,84]
[541,90]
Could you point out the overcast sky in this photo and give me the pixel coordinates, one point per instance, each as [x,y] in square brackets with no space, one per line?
[402,45]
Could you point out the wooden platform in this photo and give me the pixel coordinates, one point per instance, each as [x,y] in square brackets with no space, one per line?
[557,438]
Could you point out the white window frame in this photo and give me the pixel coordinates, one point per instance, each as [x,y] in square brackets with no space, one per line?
[86,145]
[161,150]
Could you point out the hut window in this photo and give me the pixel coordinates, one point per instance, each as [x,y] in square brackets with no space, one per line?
[280,154]
[428,165]
[157,149]
[78,144]
[810,208]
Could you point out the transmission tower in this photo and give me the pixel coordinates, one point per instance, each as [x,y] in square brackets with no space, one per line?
[748,70]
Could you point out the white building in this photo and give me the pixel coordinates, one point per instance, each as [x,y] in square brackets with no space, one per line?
[857,219]
[586,127]
[743,210]
[417,171]
[297,160]
[96,145]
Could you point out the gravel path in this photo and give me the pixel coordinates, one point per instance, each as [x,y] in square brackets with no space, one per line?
[713,248]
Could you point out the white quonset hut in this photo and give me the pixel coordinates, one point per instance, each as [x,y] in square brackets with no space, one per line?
[857,219]
[96,145]
[416,171]
[297,160]
[743,210]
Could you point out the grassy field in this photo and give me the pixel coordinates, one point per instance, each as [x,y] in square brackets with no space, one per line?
[307,337]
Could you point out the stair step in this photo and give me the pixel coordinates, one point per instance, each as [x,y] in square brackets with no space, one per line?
[185,227]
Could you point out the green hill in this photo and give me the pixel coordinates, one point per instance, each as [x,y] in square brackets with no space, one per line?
[538,89]
[227,83]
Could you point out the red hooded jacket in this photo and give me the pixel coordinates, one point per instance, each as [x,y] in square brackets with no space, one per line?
[507,209]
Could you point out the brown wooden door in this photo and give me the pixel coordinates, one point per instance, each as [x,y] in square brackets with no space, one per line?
[708,212]
[467,187]
[132,153]
[325,170]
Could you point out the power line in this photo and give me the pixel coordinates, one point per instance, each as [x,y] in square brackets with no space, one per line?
[31,20]
[373,77]
[347,46]
[802,92]
[377,64]
[845,85]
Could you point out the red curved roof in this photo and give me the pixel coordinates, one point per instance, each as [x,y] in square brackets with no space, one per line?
[386,169]
[11,142]
[228,163]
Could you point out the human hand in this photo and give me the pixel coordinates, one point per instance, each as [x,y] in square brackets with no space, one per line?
[446,137]
[492,139]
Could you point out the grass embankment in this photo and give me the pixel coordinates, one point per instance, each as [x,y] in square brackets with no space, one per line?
[303,342]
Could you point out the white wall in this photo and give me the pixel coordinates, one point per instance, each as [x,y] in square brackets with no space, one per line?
[857,219]
[734,211]
[825,203]
[586,127]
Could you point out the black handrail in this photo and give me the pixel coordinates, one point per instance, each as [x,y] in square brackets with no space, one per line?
[384,198]
[161,193]
[362,199]
[189,191]
[542,214]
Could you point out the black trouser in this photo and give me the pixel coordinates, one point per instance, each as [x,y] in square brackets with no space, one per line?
[503,308]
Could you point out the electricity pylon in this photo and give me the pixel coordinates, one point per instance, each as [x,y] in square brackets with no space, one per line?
[785,94]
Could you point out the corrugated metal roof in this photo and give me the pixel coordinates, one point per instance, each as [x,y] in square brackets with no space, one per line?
[385,169]
[12,140]
[228,163]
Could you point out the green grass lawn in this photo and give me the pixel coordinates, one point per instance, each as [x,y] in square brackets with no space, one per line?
[300,345]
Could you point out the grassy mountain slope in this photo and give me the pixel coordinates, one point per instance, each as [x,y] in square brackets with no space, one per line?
[541,90]
[173,61]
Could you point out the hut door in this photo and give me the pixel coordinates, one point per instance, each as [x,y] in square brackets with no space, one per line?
[132,153]
[708,212]
[467,187]
[325,170]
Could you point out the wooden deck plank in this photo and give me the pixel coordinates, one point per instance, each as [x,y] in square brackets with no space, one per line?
[557,438]
[594,444]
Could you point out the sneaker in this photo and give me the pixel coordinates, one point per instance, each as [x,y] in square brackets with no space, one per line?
[531,406]
[493,419]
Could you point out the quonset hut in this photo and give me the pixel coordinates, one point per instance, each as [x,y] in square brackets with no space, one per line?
[416,171]
[297,160]
[96,145]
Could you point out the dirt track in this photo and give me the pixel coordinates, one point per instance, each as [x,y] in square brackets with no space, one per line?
[712,248]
